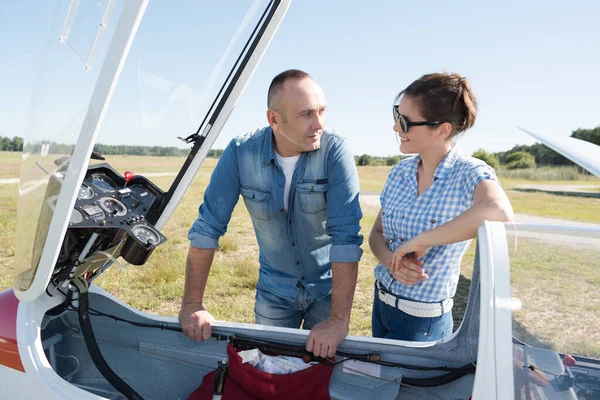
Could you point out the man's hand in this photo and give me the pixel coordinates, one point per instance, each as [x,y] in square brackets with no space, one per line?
[405,264]
[325,337]
[195,321]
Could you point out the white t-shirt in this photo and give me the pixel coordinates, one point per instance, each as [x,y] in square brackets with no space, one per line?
[287,164]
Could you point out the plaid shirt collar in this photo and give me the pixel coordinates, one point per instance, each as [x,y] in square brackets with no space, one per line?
[443,169]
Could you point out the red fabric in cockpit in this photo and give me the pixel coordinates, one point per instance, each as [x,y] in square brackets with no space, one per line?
[244,382]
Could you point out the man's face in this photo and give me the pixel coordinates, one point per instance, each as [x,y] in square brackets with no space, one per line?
[298,117]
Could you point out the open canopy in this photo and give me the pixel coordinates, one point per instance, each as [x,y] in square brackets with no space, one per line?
[85,53]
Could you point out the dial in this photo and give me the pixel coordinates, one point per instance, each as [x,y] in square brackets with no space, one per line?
[113,206]
[85,192]
[146,234]
[103,183]
[76,217]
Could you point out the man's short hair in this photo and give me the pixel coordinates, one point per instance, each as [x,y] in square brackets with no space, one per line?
[277,83]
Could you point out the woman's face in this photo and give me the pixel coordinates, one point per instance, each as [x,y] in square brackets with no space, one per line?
[419,138]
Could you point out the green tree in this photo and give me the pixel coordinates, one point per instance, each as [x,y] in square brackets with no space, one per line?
[363,160]
[543,154]
[589,135]
[4,144]
[519,160]
[392,160]
[489,158]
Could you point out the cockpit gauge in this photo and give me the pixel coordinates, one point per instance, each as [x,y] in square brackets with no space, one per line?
[85,192]
[103,183]
[113,206]
[76,217]
[146,235]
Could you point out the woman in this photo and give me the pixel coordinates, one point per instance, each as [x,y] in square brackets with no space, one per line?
[431,206]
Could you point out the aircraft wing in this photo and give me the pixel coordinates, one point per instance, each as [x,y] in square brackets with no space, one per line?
[585,154]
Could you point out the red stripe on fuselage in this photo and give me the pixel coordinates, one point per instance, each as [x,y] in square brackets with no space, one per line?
[9,350]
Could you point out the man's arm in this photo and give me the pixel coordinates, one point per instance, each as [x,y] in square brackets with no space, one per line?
[327,335]
[220,198]
[193,317]
[344,277]
[343,217]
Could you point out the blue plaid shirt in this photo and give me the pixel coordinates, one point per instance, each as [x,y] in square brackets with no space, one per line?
[405,214]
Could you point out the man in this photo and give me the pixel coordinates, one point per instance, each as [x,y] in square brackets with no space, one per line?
[300,186]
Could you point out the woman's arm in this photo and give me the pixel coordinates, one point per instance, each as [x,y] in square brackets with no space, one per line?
[412,273]
[489,204]
[378,244]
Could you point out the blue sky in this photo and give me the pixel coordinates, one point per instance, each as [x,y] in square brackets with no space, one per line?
[533,64]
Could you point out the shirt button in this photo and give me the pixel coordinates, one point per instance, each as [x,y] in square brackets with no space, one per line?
[281,210]
[279,186]
[302,278]
[390,241]
[433,221]
[403,216]
[402,240]
[297,262]
[293,244]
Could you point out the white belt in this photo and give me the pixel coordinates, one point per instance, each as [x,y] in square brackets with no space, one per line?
[415,308]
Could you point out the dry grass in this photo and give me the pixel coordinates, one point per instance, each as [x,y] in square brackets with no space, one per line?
[8,226]
[10,167]
[558,286]
[553,206]
[544,276]
[548,173]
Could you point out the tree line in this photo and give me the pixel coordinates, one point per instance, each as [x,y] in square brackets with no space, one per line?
[8,144]
[520,156]
[523,156]
[16,144]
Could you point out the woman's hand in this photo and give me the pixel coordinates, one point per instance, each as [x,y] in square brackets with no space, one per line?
[405,265]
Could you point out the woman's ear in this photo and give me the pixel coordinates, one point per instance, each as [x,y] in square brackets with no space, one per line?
[444,130]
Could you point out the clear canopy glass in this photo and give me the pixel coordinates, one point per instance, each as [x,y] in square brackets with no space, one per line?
[176,67]
[554,273]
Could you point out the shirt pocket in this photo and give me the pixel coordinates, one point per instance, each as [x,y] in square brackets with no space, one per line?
[431,221]
[311,197]
[257,202]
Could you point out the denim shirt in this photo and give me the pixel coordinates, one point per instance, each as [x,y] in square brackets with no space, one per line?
[296,247]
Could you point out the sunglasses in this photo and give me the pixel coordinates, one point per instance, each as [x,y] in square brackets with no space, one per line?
[405,123]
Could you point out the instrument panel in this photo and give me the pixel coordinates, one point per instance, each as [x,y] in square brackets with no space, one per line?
[107,200]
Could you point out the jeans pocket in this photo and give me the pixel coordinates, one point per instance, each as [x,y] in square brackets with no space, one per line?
[416,324]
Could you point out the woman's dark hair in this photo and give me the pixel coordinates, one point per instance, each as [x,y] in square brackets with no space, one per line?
[445,97]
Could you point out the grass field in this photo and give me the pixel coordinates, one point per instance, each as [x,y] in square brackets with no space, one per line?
[555,283]
[10,166]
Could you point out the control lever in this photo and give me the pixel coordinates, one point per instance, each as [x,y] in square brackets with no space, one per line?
[128,175]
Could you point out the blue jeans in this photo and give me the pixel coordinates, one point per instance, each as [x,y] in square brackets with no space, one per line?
[275,311]
[391,323]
